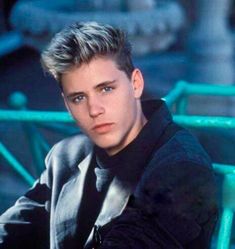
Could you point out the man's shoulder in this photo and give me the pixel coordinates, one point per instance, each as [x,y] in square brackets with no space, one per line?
[70,150]
[179,157]
[182,146]
[80,141]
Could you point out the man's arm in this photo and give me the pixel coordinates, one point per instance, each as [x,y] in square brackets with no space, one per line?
[176,207]
[26,224]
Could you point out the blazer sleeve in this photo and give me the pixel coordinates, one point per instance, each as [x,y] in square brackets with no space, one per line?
[27,222]
[176,207]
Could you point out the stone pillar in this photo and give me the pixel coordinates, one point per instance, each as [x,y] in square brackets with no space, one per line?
[210,48]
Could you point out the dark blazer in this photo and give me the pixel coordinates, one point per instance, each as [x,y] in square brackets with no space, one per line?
[173,204]
[183,204]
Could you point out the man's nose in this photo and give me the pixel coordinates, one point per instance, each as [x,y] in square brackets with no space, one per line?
[95,107]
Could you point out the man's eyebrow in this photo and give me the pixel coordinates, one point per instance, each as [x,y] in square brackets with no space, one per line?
[74,94]
[102,84]
[105,83]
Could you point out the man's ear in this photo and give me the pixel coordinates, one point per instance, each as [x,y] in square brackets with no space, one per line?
[65,103]
[137,82]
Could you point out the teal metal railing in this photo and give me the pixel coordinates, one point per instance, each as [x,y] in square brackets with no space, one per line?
[35,116]
[16,165]
[184,89]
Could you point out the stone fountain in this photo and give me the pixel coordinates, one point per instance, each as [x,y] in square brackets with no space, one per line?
[151,24]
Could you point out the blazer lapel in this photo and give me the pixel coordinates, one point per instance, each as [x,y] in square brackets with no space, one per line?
[115,202]
[68,204]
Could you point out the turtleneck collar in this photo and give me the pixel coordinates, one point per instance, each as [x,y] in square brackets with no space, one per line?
[129,162]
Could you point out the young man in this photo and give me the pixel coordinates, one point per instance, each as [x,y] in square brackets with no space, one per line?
[134,180]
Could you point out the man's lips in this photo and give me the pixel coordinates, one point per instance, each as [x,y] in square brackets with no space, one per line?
[102,128]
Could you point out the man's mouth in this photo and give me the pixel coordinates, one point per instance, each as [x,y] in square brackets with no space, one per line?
[103,128]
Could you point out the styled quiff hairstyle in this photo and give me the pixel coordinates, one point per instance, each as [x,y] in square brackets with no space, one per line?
[81,42]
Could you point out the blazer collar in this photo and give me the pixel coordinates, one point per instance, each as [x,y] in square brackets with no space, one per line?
[70,199]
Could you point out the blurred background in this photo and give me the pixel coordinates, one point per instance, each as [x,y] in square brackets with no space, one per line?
[191,40]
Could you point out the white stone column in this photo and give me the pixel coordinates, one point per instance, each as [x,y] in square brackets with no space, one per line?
[210,48]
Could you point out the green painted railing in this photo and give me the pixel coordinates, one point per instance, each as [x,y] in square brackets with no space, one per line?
[228,204]
[35,116]
[16,165]
[184,89]
[177,97]
[41,117]
[202,121]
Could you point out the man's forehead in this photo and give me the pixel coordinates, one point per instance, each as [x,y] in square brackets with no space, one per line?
[96,72]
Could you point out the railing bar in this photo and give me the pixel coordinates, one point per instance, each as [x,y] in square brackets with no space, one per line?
[202,89]
[175,93]
[188,120]
[225,229]
[16,165]
[35,116]
[224,168]
[202,121]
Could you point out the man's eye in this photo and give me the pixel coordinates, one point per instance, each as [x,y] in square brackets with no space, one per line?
[107,89]
[78,99]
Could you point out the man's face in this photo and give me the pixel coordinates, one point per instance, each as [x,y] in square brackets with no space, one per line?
[104,102]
